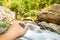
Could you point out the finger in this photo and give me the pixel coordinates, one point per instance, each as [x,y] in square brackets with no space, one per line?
[26,27]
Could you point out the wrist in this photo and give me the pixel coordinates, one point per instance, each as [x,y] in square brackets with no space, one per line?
[5,36]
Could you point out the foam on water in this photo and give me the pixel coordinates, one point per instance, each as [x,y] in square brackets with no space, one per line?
[37,34]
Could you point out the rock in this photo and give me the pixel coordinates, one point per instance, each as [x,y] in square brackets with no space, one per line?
[3,30]
[6,15]
[3,27]
[27,19]
[49,26]
[50,14]
[55,27]
[44,25]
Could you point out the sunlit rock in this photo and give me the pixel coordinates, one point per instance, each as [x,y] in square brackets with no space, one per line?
[50,14]
[6,15]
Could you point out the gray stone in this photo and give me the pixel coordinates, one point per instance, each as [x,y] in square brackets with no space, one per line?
[3,30]
[49,26]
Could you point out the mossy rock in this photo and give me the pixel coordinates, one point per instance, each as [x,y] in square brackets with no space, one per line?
[4,24]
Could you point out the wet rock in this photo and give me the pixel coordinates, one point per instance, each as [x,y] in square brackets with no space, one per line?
[3,27]
[50,14]
[49,26]
[3,30]
[55,27]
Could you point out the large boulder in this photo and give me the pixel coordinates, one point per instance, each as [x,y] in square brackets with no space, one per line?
[50,14]
[6,15]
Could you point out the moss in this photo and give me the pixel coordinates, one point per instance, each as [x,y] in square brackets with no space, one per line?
[4,25]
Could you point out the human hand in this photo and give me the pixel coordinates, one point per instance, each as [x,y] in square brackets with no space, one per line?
[15,31]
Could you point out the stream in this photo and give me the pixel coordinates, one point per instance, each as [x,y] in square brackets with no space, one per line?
[35,33]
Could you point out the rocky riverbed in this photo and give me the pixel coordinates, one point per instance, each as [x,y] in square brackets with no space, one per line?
[36,33]
[47,26]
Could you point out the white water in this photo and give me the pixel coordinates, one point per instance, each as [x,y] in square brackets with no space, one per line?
[37,34]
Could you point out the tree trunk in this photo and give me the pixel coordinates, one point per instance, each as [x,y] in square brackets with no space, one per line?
[16,13]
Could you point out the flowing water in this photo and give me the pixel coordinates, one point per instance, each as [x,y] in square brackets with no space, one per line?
[35,33]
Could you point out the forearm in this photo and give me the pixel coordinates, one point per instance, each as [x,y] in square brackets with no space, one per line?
[6,37]
[14,32]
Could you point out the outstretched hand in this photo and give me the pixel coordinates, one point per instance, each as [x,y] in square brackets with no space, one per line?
[15,31]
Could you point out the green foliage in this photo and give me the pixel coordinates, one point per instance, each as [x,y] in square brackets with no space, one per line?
[27,7]
[1,2]
[4,24]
